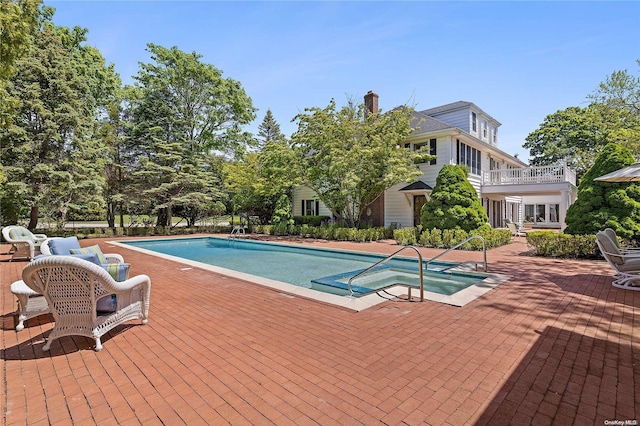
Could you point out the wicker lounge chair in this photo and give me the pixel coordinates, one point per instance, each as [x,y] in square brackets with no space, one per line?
[72,288]
[25,244]
[626,265]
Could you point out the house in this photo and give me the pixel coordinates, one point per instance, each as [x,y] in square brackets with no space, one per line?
[462,133]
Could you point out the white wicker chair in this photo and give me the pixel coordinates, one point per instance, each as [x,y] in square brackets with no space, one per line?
[72,287]
[25,244]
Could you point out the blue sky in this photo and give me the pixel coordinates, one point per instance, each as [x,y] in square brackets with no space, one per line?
[518,61]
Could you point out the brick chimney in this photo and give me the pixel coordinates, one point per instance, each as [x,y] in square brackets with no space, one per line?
[371,102]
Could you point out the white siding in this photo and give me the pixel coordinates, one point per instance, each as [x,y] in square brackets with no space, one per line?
[398,208]
[459,118]
[305,193]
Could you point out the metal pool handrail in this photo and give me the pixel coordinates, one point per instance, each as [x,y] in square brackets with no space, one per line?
[484,249]
[384,261]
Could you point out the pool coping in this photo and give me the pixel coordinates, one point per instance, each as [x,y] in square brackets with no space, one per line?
[459,299]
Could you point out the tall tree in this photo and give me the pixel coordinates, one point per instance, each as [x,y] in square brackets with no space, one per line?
[269,130]
[454,203]
[577,135]
[260,180]
[603,205]
[19,21]
[50,157]
[185,109]
[349,157]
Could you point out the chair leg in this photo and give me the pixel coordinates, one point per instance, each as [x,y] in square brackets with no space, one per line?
[47,345]
[98,345]
[23,300]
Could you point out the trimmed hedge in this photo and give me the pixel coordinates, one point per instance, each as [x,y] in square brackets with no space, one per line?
[134,231]
[448,238]
[327,232]
[553,244]
[310,220]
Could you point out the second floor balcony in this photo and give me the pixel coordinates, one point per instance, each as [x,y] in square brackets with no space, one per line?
[530,175]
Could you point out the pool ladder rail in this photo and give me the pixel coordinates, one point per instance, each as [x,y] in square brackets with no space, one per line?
[236,232]
[421,274]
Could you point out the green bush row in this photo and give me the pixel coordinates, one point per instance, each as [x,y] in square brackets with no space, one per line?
[553,244]
[310,220]
[329,232]
[137,231]
[448,238]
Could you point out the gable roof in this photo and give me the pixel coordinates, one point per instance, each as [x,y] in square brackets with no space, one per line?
[424,123]
[453,106]
[448,107]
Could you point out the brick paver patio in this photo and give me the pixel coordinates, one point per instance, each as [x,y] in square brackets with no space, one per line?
[556,344]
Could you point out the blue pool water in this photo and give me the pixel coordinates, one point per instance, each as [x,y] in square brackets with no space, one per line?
[317,268]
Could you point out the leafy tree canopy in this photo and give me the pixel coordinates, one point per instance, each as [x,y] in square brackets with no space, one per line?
[577,135]
[349,157]
[603,205]
[454,203]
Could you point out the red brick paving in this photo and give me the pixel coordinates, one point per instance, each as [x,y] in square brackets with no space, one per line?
[556,344]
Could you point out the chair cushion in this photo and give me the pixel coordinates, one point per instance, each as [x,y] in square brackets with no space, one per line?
[118,271]
[20,233]
[91,249]
[107,304]
[63,245]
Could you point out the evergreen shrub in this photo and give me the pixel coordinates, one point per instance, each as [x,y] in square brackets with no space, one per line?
[553,244]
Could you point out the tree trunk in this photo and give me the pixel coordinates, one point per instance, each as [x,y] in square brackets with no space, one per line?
[33,218]
[162,217]
[111,214]
[121,214]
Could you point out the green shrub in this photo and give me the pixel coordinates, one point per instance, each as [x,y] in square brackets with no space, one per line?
[435,238]
[405,236]
[553,244]
[310,220]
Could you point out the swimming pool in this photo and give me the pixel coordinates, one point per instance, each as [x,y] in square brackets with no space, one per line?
[315,269]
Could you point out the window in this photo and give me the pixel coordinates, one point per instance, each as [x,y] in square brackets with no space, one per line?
[538,213]
[494,136]
[474,122]
[528,212]
[433,150]
[485,126]
[493,164]
[470,157]
[310,207]
[554,215]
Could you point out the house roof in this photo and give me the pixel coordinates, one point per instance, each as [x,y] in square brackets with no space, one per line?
[448,107]
[419,185]
[424,123]
[455,106]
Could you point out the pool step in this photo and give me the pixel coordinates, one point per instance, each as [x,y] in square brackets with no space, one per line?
[374,281]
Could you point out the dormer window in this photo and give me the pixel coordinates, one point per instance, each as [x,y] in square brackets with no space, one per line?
[474,122]
[494,137]
[485,126]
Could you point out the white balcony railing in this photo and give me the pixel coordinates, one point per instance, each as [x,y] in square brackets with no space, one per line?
[529,175]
